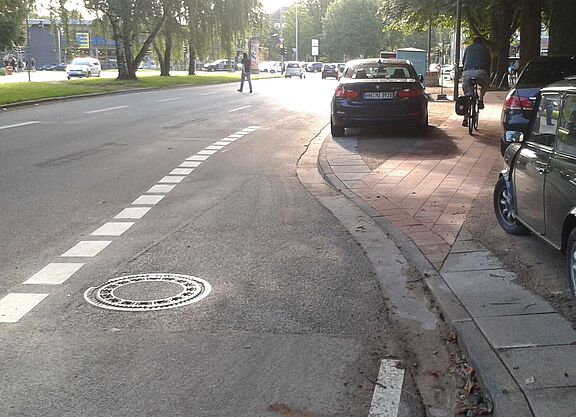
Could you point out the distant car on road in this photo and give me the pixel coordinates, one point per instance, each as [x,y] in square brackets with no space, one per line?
[537,192]
[272,67]
[379,92]
[314,67]
[294,69]
[519,102]
[219,65]
[83,67]
[329,70]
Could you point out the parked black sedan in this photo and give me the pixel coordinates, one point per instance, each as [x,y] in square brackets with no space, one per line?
[519,103]
[379,92]
[537,193]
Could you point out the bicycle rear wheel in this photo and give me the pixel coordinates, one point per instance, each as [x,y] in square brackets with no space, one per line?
[475,116]
[471,115]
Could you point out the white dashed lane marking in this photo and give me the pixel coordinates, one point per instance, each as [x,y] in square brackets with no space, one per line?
[106,109]
[160,189]
[190,164]
[205,152]
[148,200]
[54,273]
[181,171]
[388,390]
[239,108]
[112,229]
[133,213]
[213,147]
[167,99]
[220,143]
[209,94]
[19,124]
[171,179]
[15,305]
[86,248]
[198,158]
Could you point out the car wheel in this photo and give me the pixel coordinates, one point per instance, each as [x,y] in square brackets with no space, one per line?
[272,71]
[300,77]
[336,131]
[211,69]
[504,210]
[571,262]
[68,77]
[88,74]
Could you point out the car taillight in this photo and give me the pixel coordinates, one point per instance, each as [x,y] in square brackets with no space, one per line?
[409,93]
[515,102]
[345,94]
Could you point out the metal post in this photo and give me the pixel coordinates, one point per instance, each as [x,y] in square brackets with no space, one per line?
[27,44]
[296,31]
[428,60]
[457,46]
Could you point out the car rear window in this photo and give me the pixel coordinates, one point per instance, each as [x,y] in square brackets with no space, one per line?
[539,73]
[368,71]
[293,65]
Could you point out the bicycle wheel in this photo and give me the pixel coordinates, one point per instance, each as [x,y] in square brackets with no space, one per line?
[471,114]
[475,116]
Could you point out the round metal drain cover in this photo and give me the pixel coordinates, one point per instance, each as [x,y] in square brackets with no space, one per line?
[138,292]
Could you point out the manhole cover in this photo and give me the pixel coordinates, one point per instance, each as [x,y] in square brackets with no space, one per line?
[142,292]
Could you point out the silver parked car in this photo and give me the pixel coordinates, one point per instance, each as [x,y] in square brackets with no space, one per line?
[294,69]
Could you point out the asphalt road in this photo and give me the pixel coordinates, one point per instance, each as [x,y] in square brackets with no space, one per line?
[295,323]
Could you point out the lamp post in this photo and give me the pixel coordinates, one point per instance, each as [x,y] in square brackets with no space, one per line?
[457,47]
[27,43]
[296,54]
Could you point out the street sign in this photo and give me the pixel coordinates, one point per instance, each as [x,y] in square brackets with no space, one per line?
[315,51]
[314,43]
[83,40]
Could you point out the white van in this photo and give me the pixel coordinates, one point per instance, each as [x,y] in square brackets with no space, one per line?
[83,67]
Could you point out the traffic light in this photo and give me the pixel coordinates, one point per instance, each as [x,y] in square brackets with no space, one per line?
[284,51]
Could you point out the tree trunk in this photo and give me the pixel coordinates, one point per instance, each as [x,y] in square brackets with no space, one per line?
[165,67]
[562,40]
[530,28]
[160,56]
[505,25]
[192,60]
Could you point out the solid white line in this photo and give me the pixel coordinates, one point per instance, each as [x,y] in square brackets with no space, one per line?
[167,99]
[190,164]
[133,213]
[181,171]
[15,305]
[239,108]
[107,109]
[54,273]
[112,229]
[160,189]
[87,248]
[171,179]
[386,398]
[148,200]
[209,94]
[20,124]
[198,158]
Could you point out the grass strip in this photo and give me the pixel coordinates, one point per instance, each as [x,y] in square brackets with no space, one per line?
[26,91]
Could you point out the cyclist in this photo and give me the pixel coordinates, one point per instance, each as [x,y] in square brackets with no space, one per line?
[476,64]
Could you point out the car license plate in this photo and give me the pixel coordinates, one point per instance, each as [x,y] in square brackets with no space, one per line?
[381,95]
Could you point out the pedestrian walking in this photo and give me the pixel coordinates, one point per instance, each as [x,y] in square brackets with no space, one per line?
[32,64]
[246,63]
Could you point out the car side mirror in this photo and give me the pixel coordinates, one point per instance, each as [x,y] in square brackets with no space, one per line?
[512,136]
[420,78]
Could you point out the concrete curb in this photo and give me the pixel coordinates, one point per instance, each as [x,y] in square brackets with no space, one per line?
[495,378]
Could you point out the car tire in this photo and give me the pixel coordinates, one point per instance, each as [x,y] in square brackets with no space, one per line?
[301,77]
[68,77]
[211,69]
[504,212]
[337,131]
[88,74]
[571,262]
[423,127]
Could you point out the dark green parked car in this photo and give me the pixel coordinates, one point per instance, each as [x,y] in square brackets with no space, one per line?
[537,193]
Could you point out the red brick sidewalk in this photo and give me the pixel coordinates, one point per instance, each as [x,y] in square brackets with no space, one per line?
[427,194]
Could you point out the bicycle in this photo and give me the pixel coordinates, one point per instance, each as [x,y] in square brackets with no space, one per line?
[473,110]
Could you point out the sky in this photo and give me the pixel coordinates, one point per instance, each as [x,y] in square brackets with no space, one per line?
[271,5]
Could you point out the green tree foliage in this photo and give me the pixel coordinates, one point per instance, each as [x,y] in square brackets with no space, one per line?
[305,32]
[352,29]
[562,39]
[12,15]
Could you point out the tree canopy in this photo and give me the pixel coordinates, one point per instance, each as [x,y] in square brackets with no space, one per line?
[12,15]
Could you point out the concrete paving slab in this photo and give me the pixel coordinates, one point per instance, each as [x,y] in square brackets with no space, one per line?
[494,304]
[553,402]
[509,401]
[362,168]
[527,330]
[542,367]
[477,282]
[471,261]
[349,176]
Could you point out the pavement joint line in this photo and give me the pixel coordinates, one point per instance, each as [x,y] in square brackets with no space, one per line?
[14,306]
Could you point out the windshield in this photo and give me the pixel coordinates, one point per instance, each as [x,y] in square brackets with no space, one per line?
[376,70]
[541,73]
[80,62]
